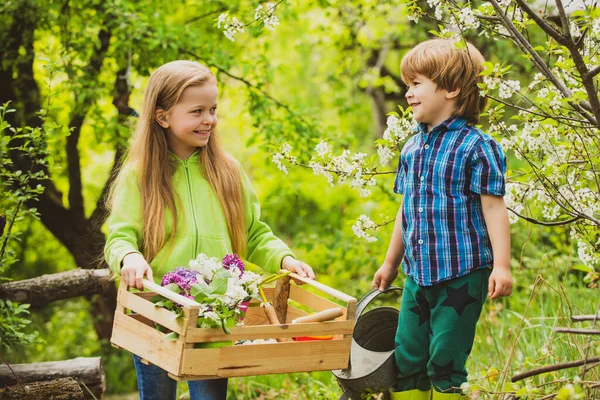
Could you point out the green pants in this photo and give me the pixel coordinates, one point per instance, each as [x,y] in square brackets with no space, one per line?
[436,330]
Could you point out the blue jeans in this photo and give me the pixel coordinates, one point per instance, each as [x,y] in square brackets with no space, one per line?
[155,384]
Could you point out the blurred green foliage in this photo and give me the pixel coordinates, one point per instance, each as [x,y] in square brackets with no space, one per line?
[317,70]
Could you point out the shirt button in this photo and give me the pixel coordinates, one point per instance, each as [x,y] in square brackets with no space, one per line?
[420,209]
[420,241]
[426,146]
[422,178]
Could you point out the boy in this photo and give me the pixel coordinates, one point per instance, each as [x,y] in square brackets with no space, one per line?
[452,231]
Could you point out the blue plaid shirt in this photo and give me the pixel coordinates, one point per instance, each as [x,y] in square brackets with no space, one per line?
[441,175]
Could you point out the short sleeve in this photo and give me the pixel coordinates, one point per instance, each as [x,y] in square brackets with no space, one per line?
[488,166]
[400,176]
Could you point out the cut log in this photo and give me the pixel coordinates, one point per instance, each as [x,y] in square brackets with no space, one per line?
[63,285]
[59,389]
[280,298]
[87,371]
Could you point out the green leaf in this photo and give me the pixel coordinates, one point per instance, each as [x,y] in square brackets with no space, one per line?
[171,337]
[200,291]
[583,267]
[173,288]
[219,282]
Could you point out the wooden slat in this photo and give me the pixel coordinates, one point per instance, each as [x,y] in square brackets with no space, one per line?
[271,331]
[255,316]
[146,342]
[325,289]
[311,300]
[294,312]
[157,314]
[271,358]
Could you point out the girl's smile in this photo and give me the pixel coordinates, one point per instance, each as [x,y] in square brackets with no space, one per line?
[192,120]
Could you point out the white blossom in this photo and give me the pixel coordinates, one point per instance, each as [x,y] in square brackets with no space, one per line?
[322,149]
[508,88]
[278,160]
[361,226]
[385,154]
[467,18]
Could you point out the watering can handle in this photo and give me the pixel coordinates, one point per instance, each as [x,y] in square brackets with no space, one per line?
[369,297]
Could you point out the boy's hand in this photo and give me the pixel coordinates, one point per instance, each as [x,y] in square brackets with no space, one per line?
[500,283]
[297,266]
[134,269]
[384,277]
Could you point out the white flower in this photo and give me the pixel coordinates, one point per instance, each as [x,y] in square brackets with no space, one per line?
[575,31]
[277,159]
[285,149]
[258,12]
[362,224]
[222,20]
[467,18]
[508,88]
[322,149]
[271,22]
[385,154]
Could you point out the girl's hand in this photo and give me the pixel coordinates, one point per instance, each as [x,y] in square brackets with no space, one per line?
[297,266]
[134,269]
[500,283]
[384,277]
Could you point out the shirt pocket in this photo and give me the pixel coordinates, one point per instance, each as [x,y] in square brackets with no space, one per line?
[449,174]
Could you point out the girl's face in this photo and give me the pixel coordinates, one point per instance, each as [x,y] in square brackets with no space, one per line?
[192,120]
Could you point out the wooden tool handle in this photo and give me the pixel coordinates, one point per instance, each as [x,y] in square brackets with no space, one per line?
[270,313]
[149,285]
[272,317]
[321,316]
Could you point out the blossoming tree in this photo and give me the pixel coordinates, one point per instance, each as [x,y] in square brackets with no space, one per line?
[550,122]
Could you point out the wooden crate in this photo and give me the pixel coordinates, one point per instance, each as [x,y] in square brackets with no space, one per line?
[135,332]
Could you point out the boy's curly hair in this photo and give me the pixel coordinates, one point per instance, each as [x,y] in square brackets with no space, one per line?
[450,68]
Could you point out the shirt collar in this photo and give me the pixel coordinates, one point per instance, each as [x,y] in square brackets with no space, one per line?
[451,124]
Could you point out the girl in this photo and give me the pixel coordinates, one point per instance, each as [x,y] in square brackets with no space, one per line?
[178,195]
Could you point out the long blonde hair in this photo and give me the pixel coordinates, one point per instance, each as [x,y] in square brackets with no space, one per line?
[148,155]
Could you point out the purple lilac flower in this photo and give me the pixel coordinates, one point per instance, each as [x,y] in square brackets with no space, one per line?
[182,277]
[232,260]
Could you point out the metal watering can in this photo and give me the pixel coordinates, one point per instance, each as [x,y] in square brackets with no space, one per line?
[372,364]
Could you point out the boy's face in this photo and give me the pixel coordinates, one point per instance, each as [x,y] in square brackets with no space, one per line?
[430,104]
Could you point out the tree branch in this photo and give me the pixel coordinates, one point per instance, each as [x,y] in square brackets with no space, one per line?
[88,371]
[555,367]
[250,85]
[579,318]
[45,289]
[544,223]
[546,27]
[526,48]
[578,331]
[100,213]
[76,203]
[564,21]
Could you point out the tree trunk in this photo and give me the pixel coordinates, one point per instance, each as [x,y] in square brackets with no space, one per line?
[59,389]
[64,285]
[82,237]
[87,371]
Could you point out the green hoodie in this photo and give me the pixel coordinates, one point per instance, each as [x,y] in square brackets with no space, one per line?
[201,225]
